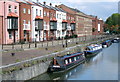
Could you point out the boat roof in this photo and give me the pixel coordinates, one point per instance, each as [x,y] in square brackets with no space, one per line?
[107,40]
[67,56]
[93,46]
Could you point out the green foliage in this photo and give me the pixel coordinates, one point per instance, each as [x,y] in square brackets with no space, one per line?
[93,29]
[112,24]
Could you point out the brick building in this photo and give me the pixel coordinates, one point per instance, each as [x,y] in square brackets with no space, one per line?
[10,12]
[25,21]
[83,23]
[97,25]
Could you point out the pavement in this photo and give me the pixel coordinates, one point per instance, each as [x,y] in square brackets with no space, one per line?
[8,58]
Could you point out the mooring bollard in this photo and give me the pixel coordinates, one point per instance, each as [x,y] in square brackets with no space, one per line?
[13,54]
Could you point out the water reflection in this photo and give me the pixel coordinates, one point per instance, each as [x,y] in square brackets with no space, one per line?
[103,66]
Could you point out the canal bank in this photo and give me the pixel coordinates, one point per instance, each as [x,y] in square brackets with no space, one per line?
[33,66]
[103,66]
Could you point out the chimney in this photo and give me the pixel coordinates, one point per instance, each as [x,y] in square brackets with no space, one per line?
[50,4]
[55,5]
[44,3]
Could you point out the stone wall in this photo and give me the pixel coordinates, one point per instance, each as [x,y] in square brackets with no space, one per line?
[27,73]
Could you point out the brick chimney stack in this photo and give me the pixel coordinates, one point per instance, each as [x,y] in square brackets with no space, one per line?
[50,4]
[44,3]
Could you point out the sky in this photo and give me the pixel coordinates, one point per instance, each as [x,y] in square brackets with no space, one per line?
[101,8]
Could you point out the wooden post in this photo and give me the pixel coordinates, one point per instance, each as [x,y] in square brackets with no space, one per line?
[21,46]
[29,45]
[12,46]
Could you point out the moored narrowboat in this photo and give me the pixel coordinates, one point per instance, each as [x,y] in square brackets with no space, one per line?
[63,63]
[92,50]
[116,40]
[106,43]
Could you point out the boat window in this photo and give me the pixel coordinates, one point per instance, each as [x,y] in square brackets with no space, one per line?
[57,63]
[74,58]
[70,60]
[78,57]
[66,61]
[93,48]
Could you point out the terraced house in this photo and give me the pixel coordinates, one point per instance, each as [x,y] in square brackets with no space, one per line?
[83,22]
[10,21]
[37,23]
[27,20]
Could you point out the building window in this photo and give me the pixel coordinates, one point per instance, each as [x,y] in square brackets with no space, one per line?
[45,25]
[24,24]
[28,11]
[57,15]
[38,24]
[10,8]
[48,14]
[29,25]
[9,24]
[10,35]
[15,9]
[64,26]
[45,13]
[12,23]
[24,10]
[40,12]
[36,12]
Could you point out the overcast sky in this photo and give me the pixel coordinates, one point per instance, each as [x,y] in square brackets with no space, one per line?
[100,8]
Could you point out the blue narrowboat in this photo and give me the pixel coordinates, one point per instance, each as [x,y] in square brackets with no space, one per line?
[115,40]
[92,50]
[106,43]
[62,63]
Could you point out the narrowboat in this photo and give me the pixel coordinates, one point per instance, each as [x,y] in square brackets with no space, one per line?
[115,40]
[106,43]
[92,50]
[66,62]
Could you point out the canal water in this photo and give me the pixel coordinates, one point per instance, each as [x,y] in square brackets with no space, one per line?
[103,66]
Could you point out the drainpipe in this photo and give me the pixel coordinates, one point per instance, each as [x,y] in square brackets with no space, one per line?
[2,32]
[4,22]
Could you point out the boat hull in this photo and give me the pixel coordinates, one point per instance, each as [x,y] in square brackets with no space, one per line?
[66,67]
[92,53]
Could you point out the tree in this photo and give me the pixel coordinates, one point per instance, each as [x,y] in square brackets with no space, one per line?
[112,23]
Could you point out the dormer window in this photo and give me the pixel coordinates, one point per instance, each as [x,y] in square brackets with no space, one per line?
[10,8]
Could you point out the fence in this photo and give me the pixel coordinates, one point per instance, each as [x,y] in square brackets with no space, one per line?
[64,42]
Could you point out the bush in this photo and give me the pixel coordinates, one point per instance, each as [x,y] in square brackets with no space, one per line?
[66,37]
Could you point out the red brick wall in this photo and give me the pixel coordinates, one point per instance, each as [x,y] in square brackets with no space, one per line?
[46,19]
[24,16]
[95,23]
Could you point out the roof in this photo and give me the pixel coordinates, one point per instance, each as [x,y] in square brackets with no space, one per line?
[38,17]
[53,19]
[24,1]
[73,9]
[64,21]
[70,55]
[11,14]
[73,22]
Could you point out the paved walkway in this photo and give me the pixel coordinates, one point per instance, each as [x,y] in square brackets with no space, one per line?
[7,58]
